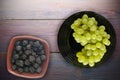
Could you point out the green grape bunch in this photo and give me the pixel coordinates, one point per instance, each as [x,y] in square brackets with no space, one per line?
[92,37]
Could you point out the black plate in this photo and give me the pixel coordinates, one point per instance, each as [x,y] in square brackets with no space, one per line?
[68,46]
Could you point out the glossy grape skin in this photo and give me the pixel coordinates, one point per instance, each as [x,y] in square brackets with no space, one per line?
[92,37]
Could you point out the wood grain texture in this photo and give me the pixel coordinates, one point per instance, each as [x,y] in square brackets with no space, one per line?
[59,69]
[55,9]
[46,29]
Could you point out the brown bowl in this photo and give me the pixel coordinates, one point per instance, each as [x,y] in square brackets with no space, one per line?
[27,75]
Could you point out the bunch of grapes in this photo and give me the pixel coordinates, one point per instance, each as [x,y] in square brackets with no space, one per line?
[94,39]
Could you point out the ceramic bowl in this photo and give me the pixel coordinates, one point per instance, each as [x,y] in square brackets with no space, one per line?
[27,75]
[68,46]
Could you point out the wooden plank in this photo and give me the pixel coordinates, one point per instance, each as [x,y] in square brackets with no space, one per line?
[42,27]
[46,29]
[59,69]
[55,9]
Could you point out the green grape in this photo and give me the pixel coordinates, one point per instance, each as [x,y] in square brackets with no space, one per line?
[104,34]
[84,21]
[108,44]
[101,28]
[81,59]
[97,58]
[75,29]
[84,27]
[83,50]
[88,46]
[80,20]
[85,61]
[77,40]
[101,53]
[89,53]
[78,54]
[85,47]
[90,23]
[91,59]
[95,52]
[101,56]
[83,43]
[77,22]
[75,34]
[99,45]
[96,22]
[91,64]
[79,31]
[93,36]
[88,36]
[93,41]
[92,18]
[103,48]
[93,28]
[93,47]
[73,26]
[83,40]
[76,37]
[106,41]
[99,38]
[85,16]
[108,36]
[97,32]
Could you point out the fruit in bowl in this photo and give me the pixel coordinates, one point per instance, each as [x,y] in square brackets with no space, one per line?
[92,37]
[28,56]
[86,39]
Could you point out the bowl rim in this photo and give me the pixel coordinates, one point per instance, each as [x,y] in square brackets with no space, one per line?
[27,75]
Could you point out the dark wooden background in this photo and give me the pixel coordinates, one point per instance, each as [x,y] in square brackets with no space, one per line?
[42,18]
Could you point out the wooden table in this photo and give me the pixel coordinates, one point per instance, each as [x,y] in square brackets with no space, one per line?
[43,18]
